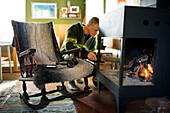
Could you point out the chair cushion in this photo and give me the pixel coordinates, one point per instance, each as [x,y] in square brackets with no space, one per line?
[61,73]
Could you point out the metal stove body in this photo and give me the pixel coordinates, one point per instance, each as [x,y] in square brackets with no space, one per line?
[138,23]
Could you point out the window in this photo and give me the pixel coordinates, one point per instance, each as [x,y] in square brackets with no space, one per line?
[10,10]
[94,8]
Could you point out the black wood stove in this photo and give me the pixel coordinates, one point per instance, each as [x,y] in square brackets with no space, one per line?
[145,41]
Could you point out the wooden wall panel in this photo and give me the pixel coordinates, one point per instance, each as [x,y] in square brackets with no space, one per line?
[60,30]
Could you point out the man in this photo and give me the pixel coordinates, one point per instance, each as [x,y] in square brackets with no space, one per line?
[80,35]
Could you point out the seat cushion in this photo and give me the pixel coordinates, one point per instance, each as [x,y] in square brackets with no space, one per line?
[61,73]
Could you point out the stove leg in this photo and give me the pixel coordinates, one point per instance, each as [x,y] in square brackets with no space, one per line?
[121,104]
[99,84]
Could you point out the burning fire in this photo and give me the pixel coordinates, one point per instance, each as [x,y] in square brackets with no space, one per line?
[144,72]
[141,69]
[147,72]
[150,69]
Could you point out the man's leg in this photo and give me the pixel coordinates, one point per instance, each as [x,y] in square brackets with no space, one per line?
[72,86]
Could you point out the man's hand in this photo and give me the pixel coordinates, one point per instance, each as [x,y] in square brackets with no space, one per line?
[91,56]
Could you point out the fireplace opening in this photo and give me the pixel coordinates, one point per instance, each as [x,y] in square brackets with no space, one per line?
[138,60]
[139,56]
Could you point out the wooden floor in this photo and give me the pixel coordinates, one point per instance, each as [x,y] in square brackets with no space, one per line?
[94,103]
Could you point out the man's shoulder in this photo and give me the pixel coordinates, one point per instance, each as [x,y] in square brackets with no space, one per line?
[77,25]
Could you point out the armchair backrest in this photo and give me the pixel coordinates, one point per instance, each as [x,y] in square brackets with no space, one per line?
[39,36]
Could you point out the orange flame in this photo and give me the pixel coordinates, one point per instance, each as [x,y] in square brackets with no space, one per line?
[150,69]
[147,72]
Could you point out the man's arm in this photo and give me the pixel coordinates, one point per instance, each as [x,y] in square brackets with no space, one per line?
[91,46]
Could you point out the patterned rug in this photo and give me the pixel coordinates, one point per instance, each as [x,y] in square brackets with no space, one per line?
[15,105]
[5,90]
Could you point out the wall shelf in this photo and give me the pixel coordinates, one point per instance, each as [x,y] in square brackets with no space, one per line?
[69,15]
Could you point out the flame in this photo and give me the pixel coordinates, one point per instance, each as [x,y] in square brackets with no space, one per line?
[140,68]
[150,69]
[147,72]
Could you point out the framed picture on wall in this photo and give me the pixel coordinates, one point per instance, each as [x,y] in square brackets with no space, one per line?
[64,9]
[44,10]
[74,9]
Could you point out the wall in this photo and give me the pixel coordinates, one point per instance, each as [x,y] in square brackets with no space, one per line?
[94,8]
[60,25]
[10,10]
[60,3]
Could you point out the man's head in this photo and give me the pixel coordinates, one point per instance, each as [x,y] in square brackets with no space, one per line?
[93,26]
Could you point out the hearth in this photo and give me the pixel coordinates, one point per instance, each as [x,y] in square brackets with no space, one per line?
[144,54]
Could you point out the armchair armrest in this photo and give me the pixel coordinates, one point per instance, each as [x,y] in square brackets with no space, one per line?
[27,64]
[71,51]
[27,52]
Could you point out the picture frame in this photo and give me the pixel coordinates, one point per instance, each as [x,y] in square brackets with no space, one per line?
[74,9]
[121,2]
[44,10]
[64,9]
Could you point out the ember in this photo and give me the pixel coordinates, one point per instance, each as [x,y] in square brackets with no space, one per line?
[140,68]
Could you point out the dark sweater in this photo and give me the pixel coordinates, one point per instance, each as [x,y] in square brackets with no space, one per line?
[74,38]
